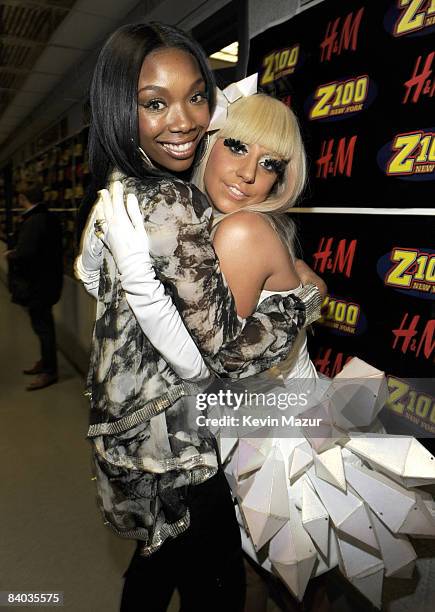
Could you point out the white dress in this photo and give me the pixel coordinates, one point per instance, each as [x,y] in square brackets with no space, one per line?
[298,363]
[307,504]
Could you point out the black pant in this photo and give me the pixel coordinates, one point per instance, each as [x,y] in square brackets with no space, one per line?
[205,563]
[41,318]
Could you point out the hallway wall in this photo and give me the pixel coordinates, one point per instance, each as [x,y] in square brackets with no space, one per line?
[74,316]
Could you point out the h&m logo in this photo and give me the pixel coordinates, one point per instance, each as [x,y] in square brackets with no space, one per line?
[341,35]
[335,258]
[329,366]
[336,159]
[421,83]
[412,336]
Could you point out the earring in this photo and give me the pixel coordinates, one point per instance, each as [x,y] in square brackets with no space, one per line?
[145,157]
[205,144]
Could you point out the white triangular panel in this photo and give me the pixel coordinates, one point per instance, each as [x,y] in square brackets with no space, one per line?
[397,551]
[295,491]
[300,460]
[324,436]
[357,395]
[371,587]
[251,454]
[388,500]
[419,520]
[315,519]
[261,527]
[398,456]
[265,505]
[419,463]
[359,526]
[356,562]
[293,555]
[243,487]
[329,467]
[346,510]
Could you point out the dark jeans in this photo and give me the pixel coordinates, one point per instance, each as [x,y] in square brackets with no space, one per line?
[205,563]
[41,318]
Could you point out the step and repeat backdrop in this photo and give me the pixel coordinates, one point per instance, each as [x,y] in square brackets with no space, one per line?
[361,78]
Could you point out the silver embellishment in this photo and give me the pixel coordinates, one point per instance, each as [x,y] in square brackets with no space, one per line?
[150,409]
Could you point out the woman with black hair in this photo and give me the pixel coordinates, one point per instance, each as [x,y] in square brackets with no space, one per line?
[158,475]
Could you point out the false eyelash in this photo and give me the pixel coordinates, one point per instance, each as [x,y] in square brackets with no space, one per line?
[277,165]
[232,143]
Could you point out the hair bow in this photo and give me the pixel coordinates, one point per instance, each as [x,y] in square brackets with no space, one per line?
[245,87]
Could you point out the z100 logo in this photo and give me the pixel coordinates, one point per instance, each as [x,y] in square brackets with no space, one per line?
[337,159]
[413,271]
[337,99]
[325,364]
[416,406]
[413,156]
[341,316]
[415,15]
[341,36]
[339,260]
[416,337]
[421,82]
[279,63]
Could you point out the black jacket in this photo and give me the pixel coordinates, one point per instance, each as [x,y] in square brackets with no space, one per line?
[36,266]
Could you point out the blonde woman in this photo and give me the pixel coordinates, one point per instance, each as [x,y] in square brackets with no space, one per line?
[255,172]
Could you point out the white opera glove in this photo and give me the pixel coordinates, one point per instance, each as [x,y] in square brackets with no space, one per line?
[87,265]
[154,310]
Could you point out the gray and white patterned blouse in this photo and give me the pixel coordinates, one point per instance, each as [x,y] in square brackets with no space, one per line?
[147,447]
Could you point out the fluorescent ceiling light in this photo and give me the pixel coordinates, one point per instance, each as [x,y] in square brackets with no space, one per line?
[227,54]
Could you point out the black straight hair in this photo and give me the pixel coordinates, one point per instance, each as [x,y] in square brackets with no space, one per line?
[114,135]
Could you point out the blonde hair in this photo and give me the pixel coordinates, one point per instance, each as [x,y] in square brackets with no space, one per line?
[263,120]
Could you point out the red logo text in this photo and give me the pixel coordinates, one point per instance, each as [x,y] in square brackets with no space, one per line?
[328,365]
[415,337]
[336,159]
[421,82]
[341,35]
[335,258]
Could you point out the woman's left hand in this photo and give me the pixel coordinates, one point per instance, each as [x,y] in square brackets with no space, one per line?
[123,229]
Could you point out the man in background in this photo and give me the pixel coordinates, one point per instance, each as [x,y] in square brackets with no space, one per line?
[36,275]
